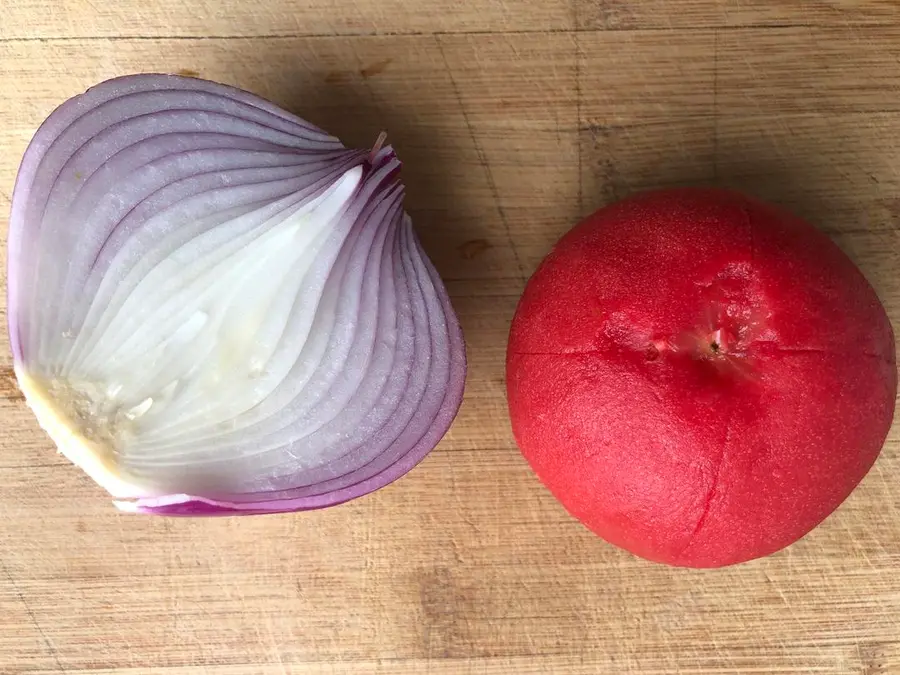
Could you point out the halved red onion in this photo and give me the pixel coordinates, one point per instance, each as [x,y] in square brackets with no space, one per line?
[217,308]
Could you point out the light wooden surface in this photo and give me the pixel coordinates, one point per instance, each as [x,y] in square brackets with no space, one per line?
[513,118]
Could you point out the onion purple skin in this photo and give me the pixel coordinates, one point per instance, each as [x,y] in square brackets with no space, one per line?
[390,464]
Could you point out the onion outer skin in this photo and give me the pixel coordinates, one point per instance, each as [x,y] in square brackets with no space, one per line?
[269,129]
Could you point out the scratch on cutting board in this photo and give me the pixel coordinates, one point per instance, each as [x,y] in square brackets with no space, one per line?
[489,175]
[274,648]
[887,488]
[792,610]
[777,589]
[858,545]
[47,643]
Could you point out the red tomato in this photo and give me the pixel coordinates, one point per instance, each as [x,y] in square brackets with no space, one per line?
[699,377]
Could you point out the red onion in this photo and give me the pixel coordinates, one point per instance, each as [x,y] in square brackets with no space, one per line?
[217,308]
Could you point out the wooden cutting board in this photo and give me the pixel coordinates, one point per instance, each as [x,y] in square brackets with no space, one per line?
[513,118]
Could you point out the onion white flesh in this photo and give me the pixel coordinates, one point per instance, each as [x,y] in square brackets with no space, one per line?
[216,308]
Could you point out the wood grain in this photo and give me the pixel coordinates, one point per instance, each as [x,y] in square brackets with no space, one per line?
[662,15]
[40,19]
[513,118]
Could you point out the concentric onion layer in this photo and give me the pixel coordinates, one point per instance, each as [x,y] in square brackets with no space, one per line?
[215,307]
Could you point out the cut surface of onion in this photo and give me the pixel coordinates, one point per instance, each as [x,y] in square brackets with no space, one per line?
[216,308]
